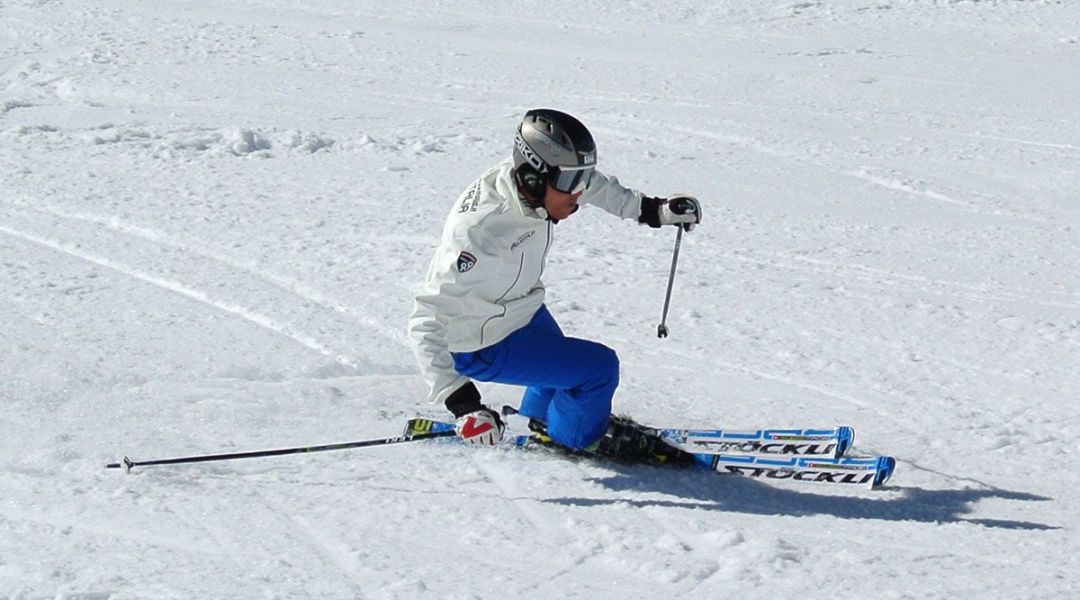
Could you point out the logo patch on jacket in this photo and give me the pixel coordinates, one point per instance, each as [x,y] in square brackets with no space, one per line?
[465,262]
[521,240]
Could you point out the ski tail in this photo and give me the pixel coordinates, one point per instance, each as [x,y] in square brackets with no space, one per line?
[885,467]
[845,439]
[425,426]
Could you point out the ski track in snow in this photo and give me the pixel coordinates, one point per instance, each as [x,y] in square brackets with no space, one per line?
[213,219]
[282,284]
[177,287]
[878,280]
[901,184]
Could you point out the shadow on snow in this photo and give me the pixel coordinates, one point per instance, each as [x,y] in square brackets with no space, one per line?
[737,494]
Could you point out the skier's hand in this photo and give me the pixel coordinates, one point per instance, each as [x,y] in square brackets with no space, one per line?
[476,424]
[680,209]
[480,428]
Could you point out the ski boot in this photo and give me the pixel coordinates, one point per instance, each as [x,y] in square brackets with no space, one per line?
[629,442]
[624,441]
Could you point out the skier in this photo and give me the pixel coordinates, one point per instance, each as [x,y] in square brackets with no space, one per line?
[481,315]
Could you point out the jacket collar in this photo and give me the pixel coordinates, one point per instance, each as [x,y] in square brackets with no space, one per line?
[508,189]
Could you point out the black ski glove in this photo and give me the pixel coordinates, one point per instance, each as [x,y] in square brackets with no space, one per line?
[464,400]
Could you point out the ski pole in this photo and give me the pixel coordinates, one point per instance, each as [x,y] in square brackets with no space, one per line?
[128,464]
[662,330]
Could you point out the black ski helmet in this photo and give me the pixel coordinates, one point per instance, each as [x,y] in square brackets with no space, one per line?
[552,147]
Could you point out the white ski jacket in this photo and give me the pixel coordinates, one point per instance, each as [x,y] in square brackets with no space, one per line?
[484,281]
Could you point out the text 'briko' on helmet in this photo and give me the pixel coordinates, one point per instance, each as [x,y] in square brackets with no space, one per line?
[552,147]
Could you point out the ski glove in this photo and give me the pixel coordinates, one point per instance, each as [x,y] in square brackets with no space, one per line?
[680,209]
[480,428]
[476,424]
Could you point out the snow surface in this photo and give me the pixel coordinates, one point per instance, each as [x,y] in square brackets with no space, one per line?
[213,216]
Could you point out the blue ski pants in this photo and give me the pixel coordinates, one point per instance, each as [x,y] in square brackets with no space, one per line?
[570,381]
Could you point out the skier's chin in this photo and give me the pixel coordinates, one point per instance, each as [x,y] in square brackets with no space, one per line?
[569,211]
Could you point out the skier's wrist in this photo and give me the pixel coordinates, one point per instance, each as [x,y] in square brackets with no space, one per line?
[650,211]
[464,400]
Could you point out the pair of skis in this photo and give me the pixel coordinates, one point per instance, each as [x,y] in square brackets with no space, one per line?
[804,455]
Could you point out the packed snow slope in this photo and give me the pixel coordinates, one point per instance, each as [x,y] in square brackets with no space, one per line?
[213,216]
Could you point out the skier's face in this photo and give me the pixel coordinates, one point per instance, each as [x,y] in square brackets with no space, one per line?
[560,205]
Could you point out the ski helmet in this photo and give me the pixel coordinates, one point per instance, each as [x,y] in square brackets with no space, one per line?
[552,147]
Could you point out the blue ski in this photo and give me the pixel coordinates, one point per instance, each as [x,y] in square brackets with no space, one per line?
[869,471]
[808,443]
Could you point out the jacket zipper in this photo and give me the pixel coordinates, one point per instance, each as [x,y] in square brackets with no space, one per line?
[521,267]
[547,246]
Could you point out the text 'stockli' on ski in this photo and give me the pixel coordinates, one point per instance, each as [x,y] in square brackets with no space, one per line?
[808,443]
[870,471]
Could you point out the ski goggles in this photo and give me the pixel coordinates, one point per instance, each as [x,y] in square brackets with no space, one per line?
[571,180]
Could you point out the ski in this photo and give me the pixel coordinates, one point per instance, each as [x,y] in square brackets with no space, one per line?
[842,470]
[872,471]
[807,443]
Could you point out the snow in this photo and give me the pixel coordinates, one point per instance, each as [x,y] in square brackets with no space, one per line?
[213,217]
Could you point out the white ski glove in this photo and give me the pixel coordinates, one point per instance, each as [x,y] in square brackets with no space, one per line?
[680,209]
[475,423]
[481,427]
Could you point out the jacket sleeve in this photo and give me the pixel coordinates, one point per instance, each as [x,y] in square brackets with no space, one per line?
[464,259]
[608,194]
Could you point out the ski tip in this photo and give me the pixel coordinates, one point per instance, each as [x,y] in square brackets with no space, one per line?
[885,467]
[845,439]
